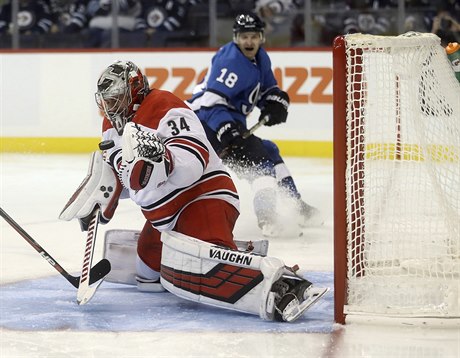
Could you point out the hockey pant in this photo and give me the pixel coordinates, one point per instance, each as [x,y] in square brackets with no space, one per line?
[209,220]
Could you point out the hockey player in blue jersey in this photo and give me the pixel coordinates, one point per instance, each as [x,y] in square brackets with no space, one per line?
[240,78]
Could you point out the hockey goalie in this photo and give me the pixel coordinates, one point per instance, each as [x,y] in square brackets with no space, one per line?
[156,153]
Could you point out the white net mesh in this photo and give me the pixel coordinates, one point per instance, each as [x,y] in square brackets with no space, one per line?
[403,177]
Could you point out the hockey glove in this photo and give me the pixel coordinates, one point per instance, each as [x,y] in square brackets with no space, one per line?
[146,163]
[276,108]
[230,136]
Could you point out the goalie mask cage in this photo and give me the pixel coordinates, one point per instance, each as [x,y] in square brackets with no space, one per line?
[396,178]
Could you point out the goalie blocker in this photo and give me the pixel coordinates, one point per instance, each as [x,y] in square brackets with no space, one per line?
[100,187]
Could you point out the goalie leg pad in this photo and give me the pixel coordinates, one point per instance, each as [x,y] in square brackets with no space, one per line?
[217,276]
[120,248]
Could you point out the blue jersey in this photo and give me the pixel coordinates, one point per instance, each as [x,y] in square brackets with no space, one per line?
[233,86]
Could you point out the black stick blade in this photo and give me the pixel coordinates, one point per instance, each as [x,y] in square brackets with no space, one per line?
[99,271]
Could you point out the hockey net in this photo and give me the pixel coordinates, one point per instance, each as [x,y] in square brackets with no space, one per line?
[396,177]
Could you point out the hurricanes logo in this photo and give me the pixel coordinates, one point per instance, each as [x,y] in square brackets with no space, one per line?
[106,190]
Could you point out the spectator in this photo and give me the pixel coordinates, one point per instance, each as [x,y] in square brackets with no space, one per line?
[70,16]
[64,14]
[277,15]
[168,20]
[60,13]
[367,20]
[165,15]
[418,16]
[99,32]
[238,6]
[329,25]
[34,17]
[446,23]
[276,12]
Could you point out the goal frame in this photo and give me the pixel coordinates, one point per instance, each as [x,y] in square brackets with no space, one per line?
[350,147]
[339,164]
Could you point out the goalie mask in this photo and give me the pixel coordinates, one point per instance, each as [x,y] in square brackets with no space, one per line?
[120,90]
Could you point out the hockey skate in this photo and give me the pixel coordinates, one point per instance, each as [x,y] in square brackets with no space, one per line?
[310,215]
[265,209]
[266,220]
[294,297]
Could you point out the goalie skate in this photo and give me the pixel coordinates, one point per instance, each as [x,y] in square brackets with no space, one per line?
[295,297]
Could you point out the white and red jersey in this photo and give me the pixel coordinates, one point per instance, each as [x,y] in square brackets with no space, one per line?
[197,172]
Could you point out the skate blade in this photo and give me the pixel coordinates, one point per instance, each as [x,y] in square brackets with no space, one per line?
[294,310]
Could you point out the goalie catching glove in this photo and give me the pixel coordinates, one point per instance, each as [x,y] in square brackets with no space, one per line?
[100,187]
[146,162]
[276,108]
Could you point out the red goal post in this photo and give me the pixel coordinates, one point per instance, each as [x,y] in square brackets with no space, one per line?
[396,178]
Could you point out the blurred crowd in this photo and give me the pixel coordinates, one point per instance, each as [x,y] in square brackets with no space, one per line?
[169,23]
[380,17]
[89,23]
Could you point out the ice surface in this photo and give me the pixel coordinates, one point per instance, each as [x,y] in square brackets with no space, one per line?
[40,318]
[122,308]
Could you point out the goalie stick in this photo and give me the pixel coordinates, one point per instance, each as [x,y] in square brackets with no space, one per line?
[86,289]
[97,273]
